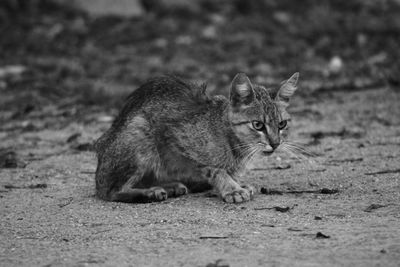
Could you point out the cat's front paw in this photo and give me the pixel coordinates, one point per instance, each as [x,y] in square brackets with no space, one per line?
[250,188]
[238,196]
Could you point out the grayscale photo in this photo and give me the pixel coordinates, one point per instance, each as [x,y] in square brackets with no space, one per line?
[204,133]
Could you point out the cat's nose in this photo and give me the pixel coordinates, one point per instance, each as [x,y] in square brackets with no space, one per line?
[274,145]
[268,148]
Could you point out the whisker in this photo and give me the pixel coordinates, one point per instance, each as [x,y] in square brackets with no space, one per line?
[250,157]
[304,150]
[252,151]
[287,150]
[242,145]
[244,152]
[300,148]
[297,151]
[304,154]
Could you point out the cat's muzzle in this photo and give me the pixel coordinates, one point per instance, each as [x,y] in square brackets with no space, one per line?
[269,149]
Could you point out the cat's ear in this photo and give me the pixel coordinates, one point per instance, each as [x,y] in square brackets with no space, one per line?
[288,88]
[242,92]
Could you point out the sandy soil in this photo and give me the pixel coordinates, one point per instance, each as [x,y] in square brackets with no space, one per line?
[50,216]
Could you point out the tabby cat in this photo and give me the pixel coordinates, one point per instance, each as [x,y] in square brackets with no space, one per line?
[171,138]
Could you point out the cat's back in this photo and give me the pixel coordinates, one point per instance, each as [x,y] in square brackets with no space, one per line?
[161,100]
[164,97]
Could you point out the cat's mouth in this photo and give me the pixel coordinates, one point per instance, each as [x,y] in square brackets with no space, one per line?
[266,153]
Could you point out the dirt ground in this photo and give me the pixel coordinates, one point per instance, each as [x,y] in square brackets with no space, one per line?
[339,208]
[63,224]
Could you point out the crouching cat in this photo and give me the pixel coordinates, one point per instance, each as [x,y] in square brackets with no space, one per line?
[170,138]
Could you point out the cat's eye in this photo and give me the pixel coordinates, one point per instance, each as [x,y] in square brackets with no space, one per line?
[282,124]
[258,125]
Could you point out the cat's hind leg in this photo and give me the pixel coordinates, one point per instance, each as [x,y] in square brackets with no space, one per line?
[140,195]
[131,194]
[175,189]
[127,165]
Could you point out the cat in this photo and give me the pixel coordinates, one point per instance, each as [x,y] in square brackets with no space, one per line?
[171,138]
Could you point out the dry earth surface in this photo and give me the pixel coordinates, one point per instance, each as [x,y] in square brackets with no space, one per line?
[50,216]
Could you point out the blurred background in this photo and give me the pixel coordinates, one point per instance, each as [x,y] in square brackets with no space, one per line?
[60,57]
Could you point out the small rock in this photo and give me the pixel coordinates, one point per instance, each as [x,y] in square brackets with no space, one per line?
[320,235]
[282,209]
[283,166]
[34,186]
[268,225]
[329,191]
[10,159]
[84,147]
[374,207]
[73,137]
[268,191]
[294,229]
[218,263]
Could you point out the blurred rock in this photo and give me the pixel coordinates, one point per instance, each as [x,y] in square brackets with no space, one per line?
[11,71]
[335,65]
[378,58]
[3,85]
[217,19]
[54,31]
[263,68]
[154,61]
[362,39]
[79,26]
[184,40]
[124,8]
[282,17]
[172,6]
[161,42]
[105,118]
[209,32]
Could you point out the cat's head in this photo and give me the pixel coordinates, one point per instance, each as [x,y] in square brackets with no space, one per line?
[258,117]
